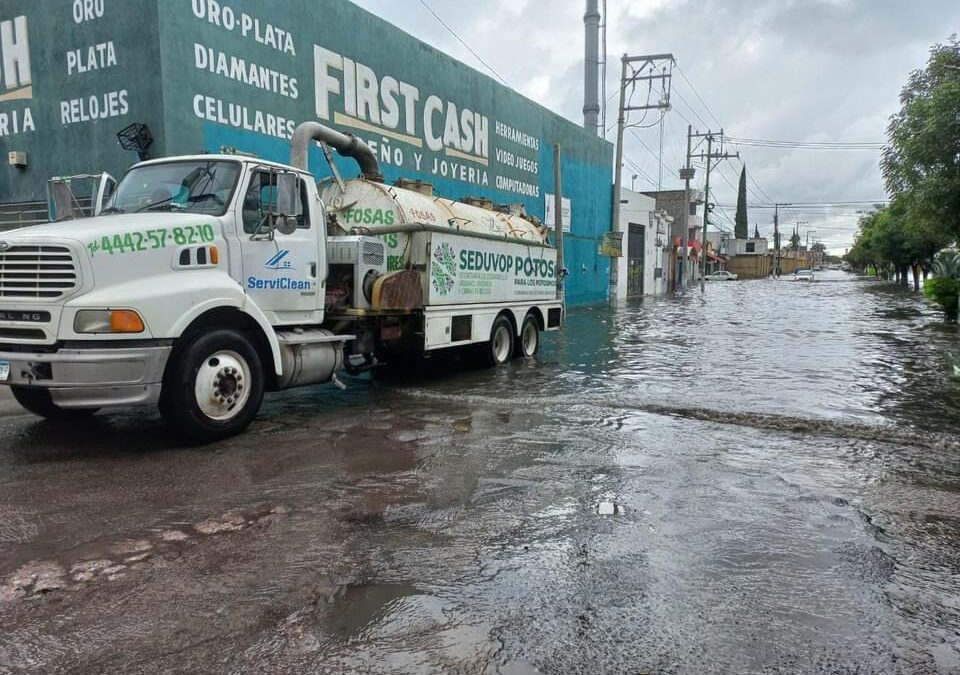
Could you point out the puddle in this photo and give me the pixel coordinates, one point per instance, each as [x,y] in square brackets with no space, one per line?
[359,605]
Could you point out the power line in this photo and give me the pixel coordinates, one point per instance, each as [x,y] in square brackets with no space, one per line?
[655,156]
[808,145]
[699,97]
[692,109]
[710,112]
[643,174]
[461,40]
[823,204]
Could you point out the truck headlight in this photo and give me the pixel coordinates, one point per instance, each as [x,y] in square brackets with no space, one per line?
[107,321]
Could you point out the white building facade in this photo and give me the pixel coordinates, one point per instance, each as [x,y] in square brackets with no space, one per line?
[641,268]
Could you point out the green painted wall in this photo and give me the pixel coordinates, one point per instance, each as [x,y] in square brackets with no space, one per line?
[93,67]
[242,73]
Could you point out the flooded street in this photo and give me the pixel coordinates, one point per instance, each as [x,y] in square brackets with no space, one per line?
[765,481]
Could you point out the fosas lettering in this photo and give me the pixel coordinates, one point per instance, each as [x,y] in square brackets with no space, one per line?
[369,216]
[395,105]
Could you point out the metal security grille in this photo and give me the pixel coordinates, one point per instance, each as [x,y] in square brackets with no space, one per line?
[37,272]
[372,253]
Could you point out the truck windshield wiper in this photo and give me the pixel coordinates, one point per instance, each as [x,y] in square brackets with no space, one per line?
[165,205]
[205,197]
[112,209]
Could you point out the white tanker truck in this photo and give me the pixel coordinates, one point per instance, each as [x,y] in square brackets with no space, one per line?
[207,280]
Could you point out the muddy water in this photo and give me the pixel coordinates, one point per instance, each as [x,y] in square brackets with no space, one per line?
[767,480]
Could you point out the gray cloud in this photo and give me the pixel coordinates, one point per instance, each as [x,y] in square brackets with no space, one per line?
[796,70]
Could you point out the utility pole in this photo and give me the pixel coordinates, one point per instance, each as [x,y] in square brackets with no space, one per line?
[617,178]
[558,223]
[706,214]
[642,69]
[776,242]
[776,237]
[709,156]
[686,173]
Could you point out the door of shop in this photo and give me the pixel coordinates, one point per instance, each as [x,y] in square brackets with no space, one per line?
[635,248]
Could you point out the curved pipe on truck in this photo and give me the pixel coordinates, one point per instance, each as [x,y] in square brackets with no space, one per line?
[344,144]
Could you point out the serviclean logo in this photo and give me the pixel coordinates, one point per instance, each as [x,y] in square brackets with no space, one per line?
[279,262]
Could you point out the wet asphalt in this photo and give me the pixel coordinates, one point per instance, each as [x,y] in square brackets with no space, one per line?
[766,480]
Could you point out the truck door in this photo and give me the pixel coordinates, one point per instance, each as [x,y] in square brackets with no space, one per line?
[281,272]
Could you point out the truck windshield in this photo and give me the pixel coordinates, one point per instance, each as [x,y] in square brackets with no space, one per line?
[197,187]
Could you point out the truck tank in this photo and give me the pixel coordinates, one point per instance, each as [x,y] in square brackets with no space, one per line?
[377,209]
[369,206]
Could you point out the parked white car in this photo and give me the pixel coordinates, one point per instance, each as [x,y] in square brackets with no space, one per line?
[721,275]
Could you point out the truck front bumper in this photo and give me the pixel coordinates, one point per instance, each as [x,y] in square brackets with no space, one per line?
[92,378]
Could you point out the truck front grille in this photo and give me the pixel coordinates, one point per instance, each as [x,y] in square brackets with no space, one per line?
[37,272]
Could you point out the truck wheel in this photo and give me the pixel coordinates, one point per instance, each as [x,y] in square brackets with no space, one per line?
[529,343]
[213,387]
[38,401]
[500,348]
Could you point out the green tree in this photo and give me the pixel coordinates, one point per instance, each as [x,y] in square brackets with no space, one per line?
[896,237]
[866,250]
[740,229]
[922,159]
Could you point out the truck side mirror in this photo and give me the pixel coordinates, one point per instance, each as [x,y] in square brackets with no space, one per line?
[288,189]
[103,190]
[62,204]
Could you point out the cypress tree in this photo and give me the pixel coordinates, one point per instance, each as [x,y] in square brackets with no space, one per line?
[741,227]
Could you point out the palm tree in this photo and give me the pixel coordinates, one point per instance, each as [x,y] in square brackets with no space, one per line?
[945,288]
[947,264]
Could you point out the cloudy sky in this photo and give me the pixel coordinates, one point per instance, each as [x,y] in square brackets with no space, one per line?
[786,70]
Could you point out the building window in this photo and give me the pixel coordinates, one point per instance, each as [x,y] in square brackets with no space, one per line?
[751,247]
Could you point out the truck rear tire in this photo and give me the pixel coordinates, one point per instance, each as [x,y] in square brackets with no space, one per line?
[213,387]
[529,343]
[499,349]
[38,401]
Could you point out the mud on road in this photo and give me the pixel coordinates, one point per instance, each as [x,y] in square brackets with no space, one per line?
[649,495]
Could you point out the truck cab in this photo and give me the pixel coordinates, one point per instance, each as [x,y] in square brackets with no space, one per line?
[92,308]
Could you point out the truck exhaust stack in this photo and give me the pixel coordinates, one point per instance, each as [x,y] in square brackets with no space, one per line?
[346,146]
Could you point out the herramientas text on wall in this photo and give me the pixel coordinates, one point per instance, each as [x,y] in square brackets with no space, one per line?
[203,74]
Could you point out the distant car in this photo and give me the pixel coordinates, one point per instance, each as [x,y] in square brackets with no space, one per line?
[803,275]
[721,275]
